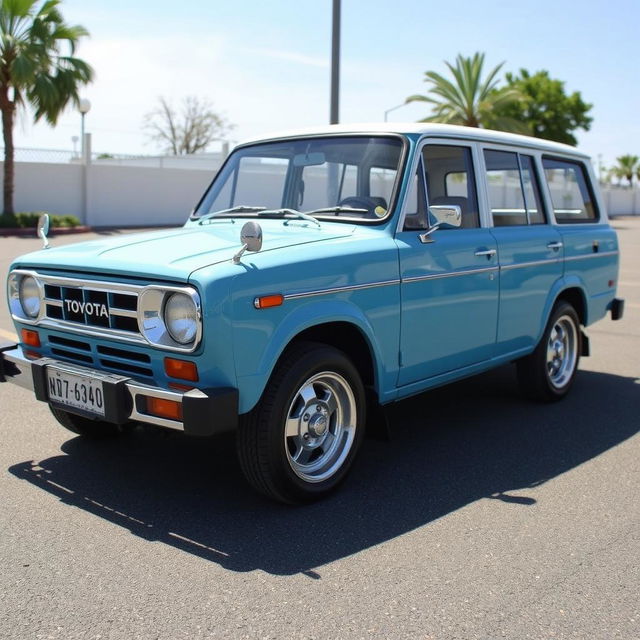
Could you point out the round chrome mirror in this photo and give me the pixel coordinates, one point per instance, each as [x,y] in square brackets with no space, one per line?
[43,229]
[251,236]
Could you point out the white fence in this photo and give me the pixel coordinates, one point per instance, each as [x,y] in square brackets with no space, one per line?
[128,191]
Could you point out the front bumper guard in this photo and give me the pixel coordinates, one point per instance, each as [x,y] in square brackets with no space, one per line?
[205,412]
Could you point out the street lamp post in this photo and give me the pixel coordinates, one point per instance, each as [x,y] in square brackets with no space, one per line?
[335,64]
[388,111]
[83,107]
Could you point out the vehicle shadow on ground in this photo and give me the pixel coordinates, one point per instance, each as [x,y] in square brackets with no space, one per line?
[473,440]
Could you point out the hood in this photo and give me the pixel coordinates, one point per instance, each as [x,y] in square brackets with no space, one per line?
[176,253]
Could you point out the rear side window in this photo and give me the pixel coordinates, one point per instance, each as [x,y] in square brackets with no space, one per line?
[514,193]
[570,193]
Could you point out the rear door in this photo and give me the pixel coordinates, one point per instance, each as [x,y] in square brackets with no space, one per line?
[530,249]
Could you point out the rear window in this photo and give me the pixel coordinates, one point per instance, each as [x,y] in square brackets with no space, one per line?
[571,196]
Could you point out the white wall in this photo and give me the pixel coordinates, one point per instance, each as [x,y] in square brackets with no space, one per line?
[116,195]
[56,188]
[137,196]
[622,200]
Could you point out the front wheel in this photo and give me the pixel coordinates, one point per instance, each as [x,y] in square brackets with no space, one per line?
[299,442]
[548,373]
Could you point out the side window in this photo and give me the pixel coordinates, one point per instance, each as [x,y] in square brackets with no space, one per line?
[514,193]
[451,180]
[570,194]
[415,216]
[506,199]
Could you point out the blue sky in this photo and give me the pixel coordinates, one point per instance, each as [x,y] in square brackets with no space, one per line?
[265,64]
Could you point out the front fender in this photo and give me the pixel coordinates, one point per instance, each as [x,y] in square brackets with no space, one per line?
[260,345]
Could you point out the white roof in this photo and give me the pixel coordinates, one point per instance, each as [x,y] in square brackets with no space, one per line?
[426,128]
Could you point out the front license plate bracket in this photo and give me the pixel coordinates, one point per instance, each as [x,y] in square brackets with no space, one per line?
[117,400]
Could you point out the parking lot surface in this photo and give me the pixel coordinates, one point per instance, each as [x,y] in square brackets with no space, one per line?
[485,516]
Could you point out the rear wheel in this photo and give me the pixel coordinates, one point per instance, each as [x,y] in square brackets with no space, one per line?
[548,373]
[298,444]
[85,426]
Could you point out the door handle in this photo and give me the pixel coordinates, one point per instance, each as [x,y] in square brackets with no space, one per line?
[555,245]
[487,252]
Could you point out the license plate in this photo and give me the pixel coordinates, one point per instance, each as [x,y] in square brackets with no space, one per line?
[71,390]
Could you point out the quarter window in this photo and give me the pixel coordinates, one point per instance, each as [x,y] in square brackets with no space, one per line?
[570,194]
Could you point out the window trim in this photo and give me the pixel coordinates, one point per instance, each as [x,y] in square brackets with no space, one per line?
[470,144]
[518,152]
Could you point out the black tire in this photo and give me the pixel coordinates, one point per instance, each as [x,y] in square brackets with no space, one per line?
[547,374]
[85,426]
[318,388]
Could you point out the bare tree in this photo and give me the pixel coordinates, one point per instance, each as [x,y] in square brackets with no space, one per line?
[187,131]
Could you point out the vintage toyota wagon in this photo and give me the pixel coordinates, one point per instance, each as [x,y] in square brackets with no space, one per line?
[322,276]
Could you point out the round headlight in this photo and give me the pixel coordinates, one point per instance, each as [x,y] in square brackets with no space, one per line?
[181,318]
[29,296]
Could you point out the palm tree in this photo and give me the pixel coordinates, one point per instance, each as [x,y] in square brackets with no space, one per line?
[627,167]
[469,99]
[37,68]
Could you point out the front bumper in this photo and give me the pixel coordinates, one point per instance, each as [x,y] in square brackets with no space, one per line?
[204,412]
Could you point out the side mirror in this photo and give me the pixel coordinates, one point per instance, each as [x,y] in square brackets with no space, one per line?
[251,238]
[446,216]
[43,229]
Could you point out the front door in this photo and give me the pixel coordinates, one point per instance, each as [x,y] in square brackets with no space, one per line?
[450,285]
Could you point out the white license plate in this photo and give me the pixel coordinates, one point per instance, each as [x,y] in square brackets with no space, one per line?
[75,391]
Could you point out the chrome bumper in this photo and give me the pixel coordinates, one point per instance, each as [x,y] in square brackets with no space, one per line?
[204,411]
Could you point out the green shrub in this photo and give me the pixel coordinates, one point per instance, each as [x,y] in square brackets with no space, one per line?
[29,220]
[7,221]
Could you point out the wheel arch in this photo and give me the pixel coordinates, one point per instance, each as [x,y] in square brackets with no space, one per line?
[576,298]
[344,330]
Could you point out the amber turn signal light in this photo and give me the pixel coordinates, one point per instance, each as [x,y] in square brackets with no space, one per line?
[164,408]
[181,369]
[264,302]
[31,338]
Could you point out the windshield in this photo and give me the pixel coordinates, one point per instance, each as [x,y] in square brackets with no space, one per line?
[348,178]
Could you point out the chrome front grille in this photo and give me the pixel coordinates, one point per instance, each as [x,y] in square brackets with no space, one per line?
[92,307]
[125,312]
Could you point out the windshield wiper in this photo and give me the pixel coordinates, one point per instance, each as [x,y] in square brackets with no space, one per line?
[242,208]
[337,210]
[288,212]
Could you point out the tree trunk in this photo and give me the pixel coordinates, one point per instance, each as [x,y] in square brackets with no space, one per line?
[8,111]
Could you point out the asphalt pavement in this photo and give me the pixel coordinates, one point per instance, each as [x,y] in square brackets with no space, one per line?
[485,516]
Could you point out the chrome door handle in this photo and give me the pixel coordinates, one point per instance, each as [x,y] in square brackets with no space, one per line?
[555,245]
[486,252]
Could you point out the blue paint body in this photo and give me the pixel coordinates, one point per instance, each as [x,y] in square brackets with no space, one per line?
[421,330]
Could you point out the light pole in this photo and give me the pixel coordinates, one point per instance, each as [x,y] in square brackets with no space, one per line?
[335,64]
[83,107]
[388,111]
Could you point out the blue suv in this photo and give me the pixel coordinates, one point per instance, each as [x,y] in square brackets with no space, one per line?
[323,275]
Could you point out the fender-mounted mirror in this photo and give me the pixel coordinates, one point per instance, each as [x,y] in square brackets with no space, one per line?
[43,229]
[251,238]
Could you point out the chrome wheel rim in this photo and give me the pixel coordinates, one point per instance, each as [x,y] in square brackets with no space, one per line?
[562,351]
[320,426]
